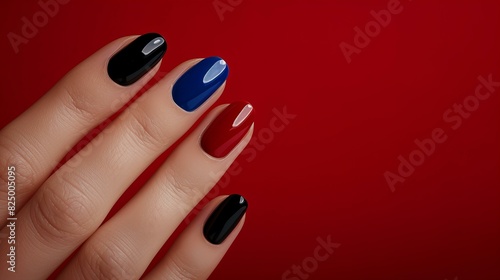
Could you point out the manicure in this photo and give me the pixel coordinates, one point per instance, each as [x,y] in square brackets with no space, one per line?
[227,129]
[136,59]
[195,86]
[224,219]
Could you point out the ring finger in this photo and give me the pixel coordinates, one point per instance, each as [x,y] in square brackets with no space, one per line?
[118,248]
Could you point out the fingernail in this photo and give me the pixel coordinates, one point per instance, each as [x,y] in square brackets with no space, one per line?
[195,86]
[224,218]
[136,59]
[227,129]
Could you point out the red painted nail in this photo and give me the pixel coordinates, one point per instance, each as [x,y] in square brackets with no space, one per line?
[227,129]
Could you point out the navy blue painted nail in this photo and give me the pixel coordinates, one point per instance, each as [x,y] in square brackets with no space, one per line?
[195,86]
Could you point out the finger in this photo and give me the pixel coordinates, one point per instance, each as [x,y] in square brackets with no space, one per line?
[74,201]
[201,246]
[118,248]
[38,139]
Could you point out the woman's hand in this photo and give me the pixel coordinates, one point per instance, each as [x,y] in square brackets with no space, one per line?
[53,214]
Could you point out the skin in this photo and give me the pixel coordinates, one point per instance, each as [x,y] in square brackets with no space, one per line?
[58,213]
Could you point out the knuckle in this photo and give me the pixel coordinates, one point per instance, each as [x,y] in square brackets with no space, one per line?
[15,153]
[182,269]
[77,104]
[145,130]
[63,215]
[181,189]
[108,259]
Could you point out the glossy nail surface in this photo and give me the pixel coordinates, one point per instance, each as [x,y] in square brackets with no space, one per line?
[224,218]
[198,83]
[136,59]
[227,129]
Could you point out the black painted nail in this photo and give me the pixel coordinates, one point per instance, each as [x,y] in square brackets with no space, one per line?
[224,218]
[136,59]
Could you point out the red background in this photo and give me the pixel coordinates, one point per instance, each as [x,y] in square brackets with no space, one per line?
[324,173]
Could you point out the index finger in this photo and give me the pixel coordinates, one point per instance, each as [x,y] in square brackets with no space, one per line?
[99,86]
